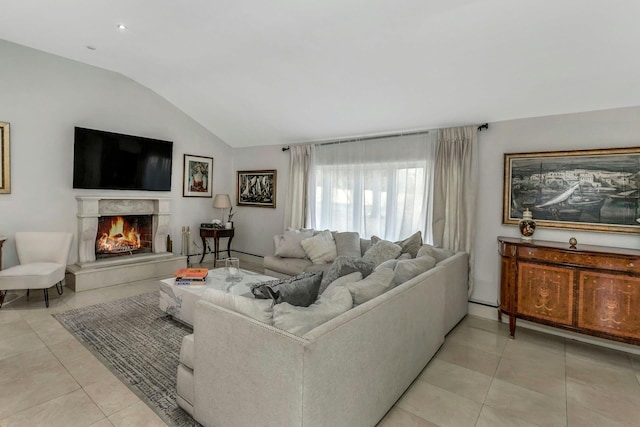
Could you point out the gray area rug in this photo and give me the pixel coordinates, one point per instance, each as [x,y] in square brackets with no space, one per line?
[138,342]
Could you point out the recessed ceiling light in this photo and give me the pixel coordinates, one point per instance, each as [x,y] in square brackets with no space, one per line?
[122,27]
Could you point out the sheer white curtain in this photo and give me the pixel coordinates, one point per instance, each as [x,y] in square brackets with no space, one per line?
[376,187]
[295,214]
[455,189]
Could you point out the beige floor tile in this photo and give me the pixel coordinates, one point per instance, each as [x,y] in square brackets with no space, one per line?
[491,417]
[596,353]
[111,395]
[534,346]
[525,404]
[87,370]
[35,389]
[102,423]
[546,376]
[16,368]
[53,334]
[69,350]
[580,416]
[8,316]
[485,325]
[137,414]
[71,410]
[460,354]
[398,417]
[440,406]
[603,376]
[635,361]
[621,407]
[456,379]
[16,328]
[479,339]
[19,344]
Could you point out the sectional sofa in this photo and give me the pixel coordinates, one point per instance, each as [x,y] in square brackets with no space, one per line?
[349,371]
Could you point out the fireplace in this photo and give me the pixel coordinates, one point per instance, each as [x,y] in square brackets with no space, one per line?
[124,235]
[122,239]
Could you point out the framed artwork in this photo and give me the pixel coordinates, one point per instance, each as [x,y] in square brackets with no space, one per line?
[597,190]
[256,188]
[5,171]
[197,176]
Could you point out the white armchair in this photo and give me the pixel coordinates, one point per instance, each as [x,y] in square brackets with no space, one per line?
[43,260]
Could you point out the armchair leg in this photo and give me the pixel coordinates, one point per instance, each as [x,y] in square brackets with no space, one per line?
[46,297]
[59,288]
[2,295]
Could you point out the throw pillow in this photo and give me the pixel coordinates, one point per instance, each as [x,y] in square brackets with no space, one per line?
[381,251]
[373,285]
[288,244]
[348,243]
[407,269]
[320,248]
[300,320]
[411,245]
[300,290]
[391,263]
[438,253]
[341,282]
[261,310]
[345,265]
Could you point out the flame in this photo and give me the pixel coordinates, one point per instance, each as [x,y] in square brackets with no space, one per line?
[118,239]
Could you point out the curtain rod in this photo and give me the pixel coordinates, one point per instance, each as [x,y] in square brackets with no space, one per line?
[368,138]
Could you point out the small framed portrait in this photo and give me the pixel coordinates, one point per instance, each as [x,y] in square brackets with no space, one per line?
[198,176]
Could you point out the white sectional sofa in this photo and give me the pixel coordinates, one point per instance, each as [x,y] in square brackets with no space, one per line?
[349,371]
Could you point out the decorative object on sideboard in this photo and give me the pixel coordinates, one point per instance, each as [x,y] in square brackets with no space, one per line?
[580,189]
[222,201]
[256,188]
[573,242]
[197,176]
[527,225]
[5,175]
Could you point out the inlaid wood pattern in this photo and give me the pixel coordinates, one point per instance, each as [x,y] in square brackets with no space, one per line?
[545,293]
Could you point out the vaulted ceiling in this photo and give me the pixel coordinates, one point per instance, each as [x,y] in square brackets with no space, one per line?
[259,72]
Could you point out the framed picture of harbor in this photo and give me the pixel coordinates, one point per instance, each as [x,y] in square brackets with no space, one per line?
[256,188]
[596,190]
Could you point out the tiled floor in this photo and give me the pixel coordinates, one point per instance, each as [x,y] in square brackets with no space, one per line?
[478,378]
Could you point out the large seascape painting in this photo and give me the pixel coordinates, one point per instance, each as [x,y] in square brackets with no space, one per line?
[588,190]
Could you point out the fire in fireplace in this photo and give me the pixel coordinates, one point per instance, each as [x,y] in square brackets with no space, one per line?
[123,235]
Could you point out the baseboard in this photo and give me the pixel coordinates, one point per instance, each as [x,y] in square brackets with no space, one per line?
[491,313]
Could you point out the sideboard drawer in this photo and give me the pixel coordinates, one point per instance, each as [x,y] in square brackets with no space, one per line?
[602,262]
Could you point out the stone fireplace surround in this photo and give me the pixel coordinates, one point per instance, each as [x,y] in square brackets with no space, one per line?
[89,273]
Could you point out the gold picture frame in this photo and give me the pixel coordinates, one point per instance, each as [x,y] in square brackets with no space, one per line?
[256,188]
[595,190]
[5,159]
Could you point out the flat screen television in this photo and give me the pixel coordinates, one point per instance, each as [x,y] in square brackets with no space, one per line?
[107,160]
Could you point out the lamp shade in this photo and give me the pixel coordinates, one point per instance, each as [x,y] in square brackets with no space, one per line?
[222,201]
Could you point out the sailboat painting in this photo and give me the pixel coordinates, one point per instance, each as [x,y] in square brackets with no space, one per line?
[596,190]
[257,188]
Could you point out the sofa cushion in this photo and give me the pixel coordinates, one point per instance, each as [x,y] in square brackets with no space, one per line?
[320,248]
[288,266]
[186,351]
[288,244]
[345,265]
[300,320]
[407,269]
[381,251]
[347,243]
[261,310]
[411,245]
[438,253]
[317,268]
[391,263]
[300,290]
[342,281]
[370,287]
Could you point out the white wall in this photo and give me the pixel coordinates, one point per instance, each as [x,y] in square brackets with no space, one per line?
[43,97]
[601,129]
[255,227]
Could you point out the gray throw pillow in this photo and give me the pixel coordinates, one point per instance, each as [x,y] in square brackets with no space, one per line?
[288,245]
[438,253]
[409,268]
[301,290]
[345,265]
[411,245]
[347,243]
[375,284]
[381,251]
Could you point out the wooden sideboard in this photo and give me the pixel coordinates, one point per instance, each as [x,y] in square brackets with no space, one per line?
[589,289]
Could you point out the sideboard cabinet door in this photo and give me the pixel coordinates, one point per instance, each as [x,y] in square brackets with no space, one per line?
[545,293]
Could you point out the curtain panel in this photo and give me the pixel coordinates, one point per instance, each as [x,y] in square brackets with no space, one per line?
[296,208]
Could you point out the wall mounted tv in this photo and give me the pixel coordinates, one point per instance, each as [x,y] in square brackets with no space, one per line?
[107,160]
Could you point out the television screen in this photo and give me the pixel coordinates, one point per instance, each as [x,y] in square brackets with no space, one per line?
[107,160]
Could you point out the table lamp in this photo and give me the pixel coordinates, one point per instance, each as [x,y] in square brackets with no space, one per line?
[221,201]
